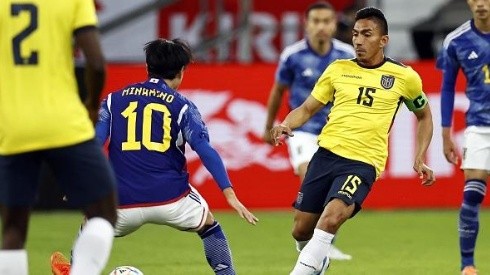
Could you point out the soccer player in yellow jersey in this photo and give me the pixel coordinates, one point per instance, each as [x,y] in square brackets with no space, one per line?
[43,120]
[366,93]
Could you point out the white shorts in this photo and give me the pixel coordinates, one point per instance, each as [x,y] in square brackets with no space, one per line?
[476,148]
[187,214]
[301,148]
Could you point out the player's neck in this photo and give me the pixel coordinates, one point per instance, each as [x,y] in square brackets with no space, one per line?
[373,62]
[321,48]
[483,25]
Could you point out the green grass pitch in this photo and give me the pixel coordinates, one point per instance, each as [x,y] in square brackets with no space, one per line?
[381,242]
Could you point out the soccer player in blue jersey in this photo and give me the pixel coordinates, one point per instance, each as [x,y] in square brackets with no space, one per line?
[468,48]
[147,125]
[300,66]
[42,120]
[367,93]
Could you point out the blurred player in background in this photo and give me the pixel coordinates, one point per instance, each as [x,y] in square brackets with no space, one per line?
[300,66]
[468,48]
[43,120]
[147,125]
[366,93]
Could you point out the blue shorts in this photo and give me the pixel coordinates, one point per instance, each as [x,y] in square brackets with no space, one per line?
[82,172]
[332,176]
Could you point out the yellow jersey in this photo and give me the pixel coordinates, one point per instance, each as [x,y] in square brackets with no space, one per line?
[365,103]
[39,103]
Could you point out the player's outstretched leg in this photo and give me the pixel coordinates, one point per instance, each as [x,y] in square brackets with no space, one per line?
[216,249]
[474,192]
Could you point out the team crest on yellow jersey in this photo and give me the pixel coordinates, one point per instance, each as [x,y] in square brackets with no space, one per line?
[387,81]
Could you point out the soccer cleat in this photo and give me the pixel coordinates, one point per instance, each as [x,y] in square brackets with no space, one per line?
[335,254]
[469,270]
[60,264]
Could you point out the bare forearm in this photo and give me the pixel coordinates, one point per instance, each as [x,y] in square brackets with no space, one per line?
[272,108]
[446,132]
[303,113]
[296,118]
[424,136]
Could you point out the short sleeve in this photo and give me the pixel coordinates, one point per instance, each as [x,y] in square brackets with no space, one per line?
[85,14]
[414,97]
[323,90]
[413,85]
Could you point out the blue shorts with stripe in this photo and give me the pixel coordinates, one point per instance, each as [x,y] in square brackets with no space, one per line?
[81,170]
[332,176]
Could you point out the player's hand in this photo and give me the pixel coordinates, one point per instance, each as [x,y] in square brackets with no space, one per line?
[239,207]
[450,151]
[267,137]
[425,173]
[278,132]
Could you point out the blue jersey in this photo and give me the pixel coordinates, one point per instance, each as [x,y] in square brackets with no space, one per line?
[300,67]
[149,124]
[469,49]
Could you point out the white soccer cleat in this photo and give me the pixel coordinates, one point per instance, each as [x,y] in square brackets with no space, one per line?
[335,254]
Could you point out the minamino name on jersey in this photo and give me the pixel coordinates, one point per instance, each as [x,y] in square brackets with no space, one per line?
[141,91]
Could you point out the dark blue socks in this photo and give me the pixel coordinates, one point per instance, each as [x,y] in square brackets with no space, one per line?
[474,193]
[217,251]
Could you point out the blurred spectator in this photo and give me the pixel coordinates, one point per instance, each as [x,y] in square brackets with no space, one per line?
[426,34]
[346,21]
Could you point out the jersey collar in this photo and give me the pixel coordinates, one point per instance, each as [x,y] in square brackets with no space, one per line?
[374,66]
[477,31]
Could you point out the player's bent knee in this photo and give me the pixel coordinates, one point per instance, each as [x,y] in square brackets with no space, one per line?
[302,234]
[332,222]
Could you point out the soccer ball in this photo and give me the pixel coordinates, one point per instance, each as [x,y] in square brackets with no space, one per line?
[126,270]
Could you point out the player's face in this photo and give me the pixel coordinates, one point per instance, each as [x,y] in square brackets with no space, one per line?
[480,9]
[320,25]
[368,41]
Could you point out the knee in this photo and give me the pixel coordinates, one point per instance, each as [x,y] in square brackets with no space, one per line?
[331,222]
[301,233]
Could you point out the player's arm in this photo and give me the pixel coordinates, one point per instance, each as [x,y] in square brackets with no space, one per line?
[87,39]
[418,103]
[296,118]
[196,134]
[273,105]
[424,136]
[212,161]
[102,127]
[447,109]
[447,61]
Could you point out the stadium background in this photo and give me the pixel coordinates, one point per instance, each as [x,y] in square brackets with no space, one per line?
[237,44]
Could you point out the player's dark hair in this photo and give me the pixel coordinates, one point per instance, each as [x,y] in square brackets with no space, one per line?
[374,14]
[318,6]
[166,58]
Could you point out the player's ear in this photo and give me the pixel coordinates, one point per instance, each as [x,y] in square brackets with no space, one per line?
[181,73]
[384,41]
